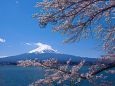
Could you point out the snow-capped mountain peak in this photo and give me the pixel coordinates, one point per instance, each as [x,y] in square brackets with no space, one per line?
[43,48]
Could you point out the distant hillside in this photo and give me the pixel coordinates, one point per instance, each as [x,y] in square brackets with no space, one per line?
[44,52]
[62,58]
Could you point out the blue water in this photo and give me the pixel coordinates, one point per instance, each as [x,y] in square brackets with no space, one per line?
[19,76]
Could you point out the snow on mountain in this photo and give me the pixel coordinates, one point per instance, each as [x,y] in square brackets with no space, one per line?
[44,52]
[43,48]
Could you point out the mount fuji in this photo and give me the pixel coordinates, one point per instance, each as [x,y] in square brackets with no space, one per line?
[43,48]
[44,52]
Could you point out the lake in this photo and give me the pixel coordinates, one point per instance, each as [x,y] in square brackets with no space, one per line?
[11,75]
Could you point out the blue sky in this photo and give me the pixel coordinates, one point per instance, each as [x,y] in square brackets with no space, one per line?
[18,28]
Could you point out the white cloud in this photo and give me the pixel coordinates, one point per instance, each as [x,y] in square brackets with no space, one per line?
[17,2]
[28,43]
[3,56]
[42,47]
[2,40]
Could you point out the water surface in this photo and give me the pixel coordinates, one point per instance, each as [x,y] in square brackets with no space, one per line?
[11,75]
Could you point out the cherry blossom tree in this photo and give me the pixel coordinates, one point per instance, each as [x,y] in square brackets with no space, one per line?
[56,74]
[78,19]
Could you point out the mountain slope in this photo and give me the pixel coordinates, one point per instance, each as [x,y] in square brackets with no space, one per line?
[44,56]
[44,52]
